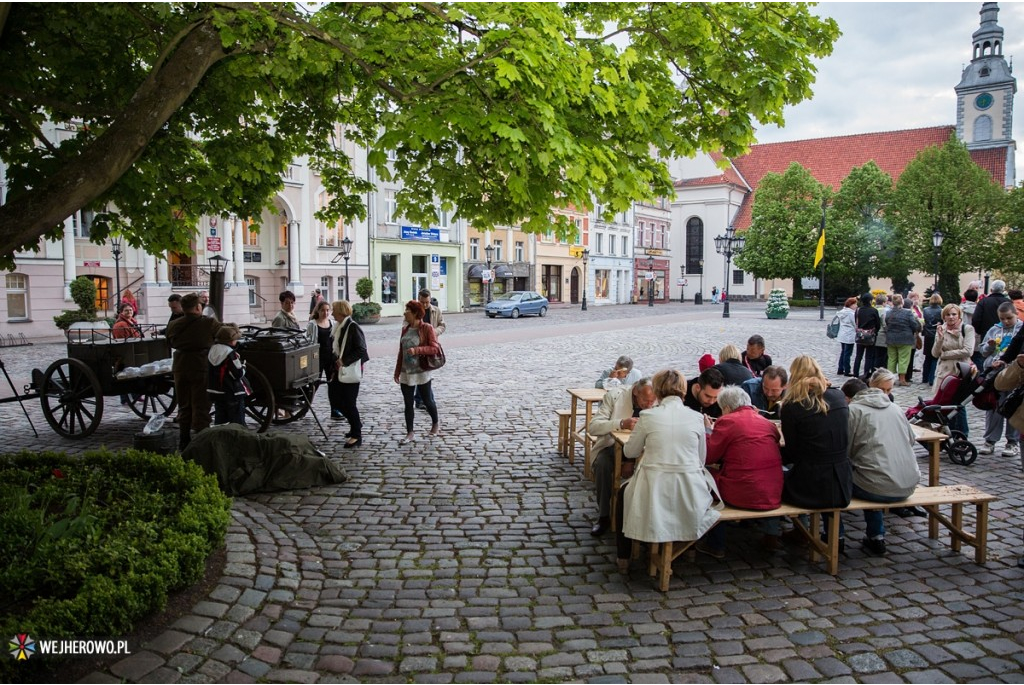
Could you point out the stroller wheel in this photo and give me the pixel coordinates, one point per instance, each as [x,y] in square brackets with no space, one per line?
[961,451]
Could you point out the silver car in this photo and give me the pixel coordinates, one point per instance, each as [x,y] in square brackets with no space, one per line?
[516,303]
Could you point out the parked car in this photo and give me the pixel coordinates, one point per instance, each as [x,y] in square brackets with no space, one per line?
[517,302]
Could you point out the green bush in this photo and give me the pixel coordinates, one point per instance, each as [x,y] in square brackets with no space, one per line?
[93,543]
[70,316]
[364,288]
[803,303]
[83,293]
[362,310]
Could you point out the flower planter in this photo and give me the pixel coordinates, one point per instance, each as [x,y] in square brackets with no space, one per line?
[776,315]
[368,319]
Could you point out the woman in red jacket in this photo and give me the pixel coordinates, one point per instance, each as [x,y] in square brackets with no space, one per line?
[418,339]
[745,445]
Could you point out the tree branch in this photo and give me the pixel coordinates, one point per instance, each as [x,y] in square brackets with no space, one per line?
[28,124]
[53,103]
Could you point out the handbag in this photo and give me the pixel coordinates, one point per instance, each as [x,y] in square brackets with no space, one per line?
[433,362]
[866,336]
[918,341]
[353,373]
[1011,402]
[832,330]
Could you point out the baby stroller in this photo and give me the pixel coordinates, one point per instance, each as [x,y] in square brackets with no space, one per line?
[954,392]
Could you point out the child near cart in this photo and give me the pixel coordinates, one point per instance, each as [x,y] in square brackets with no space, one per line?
[228,386]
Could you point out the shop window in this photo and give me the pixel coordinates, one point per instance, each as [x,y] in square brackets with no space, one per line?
[601,278]
[389,286]
[17,297]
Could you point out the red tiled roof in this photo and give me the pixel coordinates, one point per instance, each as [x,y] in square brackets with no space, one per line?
[727,177]
[830,160]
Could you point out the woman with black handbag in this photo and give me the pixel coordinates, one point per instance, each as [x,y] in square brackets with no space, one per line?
[418,342]
[349,350]
[868,322]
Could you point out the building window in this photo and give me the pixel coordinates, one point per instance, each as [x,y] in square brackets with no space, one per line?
[611,245]
[601,277]
[497,251]
[983,128]
[520,251]
[598,243]
[328,235]
[625,246]
[442,216]
[474,249]
[389,278]
[579,232]
[250,283]
[390,206]
[392,155]
[250,236]
[737,277]
[694,245]
[666,236]
[283,235]
[81,223]
[638,238]
[17,297]
[648,237]
[102,284]
[551,282]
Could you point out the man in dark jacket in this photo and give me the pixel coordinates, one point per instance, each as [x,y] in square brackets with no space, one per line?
[986,315]
[191,337]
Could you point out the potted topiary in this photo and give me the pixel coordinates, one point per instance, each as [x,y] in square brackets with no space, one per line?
[365,312]
[83,292]
[777,306]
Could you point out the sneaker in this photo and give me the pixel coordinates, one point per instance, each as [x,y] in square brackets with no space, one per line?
[987,448]
[705,548]
[874,546]
[1012,449]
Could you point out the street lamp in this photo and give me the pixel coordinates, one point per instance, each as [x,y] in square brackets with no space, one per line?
[115,249]
[682,287]
[699,297]
[218,267]
[728,245]
[937,237]
[489,251]
[650,281]
[988,275]
[346,252]
[586,256]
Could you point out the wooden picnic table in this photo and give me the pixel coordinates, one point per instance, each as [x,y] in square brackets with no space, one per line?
[931,440]
[589,397]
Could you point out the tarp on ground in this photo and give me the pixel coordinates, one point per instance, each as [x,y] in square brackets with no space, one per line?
[246,462]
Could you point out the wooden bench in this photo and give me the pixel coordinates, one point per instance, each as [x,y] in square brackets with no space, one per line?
[563,434]
[931,498]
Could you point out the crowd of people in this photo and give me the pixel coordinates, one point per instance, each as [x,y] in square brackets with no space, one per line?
[753,435]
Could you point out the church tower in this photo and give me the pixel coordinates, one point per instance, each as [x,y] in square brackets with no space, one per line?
[984,97]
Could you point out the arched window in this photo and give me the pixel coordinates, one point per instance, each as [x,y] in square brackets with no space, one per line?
[694,245]
[983,128]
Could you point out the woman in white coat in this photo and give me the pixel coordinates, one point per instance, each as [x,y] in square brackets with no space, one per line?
[847,336]
[671,496]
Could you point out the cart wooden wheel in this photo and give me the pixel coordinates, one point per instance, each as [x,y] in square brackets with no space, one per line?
[156,397]
[296,407]
[259,406]
[71,398]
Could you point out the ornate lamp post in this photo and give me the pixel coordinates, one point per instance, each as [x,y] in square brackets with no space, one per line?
[586,257]
[218,266]
[728,245]
[650,281]
[346,252]
[682,288]
[937,236]
[115,249]
[489,251]
[988,275]
[699,297]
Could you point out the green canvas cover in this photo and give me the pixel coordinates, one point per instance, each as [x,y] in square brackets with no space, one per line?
[246,462]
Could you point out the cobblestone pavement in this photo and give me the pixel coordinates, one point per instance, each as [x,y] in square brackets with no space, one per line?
[469,558]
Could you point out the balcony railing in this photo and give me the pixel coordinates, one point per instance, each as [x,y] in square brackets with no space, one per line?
[189,276]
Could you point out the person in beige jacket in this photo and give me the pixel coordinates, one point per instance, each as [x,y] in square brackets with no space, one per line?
[954,342]
[618,411]
[1011,378]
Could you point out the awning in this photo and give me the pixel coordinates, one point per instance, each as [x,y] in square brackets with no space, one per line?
[503,271]
[475,271]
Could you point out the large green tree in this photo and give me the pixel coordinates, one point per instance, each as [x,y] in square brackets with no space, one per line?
[503,110]
[943,189]
[785,225]
[860,241]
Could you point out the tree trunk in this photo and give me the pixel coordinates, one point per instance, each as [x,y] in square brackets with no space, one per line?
[28,215]
[798,289]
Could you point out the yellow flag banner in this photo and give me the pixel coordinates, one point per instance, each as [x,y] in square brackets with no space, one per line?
[819,254]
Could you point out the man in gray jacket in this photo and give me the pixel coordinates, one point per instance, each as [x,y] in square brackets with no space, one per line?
[882,454]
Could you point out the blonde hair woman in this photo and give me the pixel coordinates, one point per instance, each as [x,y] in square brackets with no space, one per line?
[815,426]
[348,347]
[671,496]
[730,363]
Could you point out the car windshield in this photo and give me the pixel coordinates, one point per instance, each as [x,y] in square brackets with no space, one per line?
[511,297]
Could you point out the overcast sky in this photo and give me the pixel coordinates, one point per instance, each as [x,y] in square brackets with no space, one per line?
[895,67]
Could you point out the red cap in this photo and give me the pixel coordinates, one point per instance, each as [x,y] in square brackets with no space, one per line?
[705,362]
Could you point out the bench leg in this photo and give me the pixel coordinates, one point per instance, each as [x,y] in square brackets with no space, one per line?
[653,558]
[833,544]
[665,570]
[981,549]
[563,430]
[957,519]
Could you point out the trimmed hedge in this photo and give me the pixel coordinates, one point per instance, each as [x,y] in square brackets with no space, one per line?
[93,543]
[803,303]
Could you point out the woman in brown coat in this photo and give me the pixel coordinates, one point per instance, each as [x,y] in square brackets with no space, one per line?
[418,339]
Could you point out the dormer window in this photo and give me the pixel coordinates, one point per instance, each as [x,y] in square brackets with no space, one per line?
[985,71]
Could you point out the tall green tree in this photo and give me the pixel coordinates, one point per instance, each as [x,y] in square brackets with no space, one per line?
[942,189]
[785,225]
[503,110]
[860,241]
[1011,239]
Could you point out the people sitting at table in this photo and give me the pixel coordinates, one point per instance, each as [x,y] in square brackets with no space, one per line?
[881,454]
[816,432]
[745,445]
[731,366]
[754,357]
[619,410]
[702,394]
[671,496]
[623,371]
[766,392]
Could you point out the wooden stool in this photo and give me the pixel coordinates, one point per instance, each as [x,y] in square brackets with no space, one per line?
[564,434]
